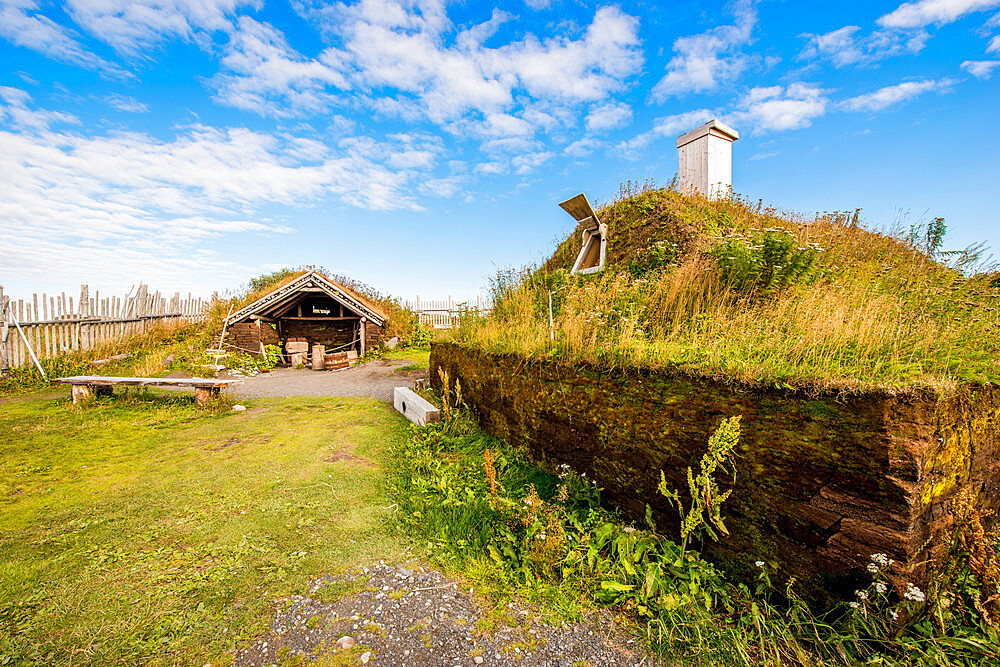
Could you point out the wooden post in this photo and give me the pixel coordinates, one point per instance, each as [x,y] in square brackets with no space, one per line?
[552,326]
[203,395]
[84,330]
[81,393]
[222,337]
[362,332]
[318,357]
[31,352]
[5,342]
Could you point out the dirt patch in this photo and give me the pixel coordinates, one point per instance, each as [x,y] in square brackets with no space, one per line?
[228,443]
[217,446]
[346,455]
[375,379]
[413,615]
[412,374]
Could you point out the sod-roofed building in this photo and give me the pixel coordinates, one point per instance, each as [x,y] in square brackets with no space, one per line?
[310,308]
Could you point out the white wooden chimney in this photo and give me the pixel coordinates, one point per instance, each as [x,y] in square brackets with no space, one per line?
[705,159]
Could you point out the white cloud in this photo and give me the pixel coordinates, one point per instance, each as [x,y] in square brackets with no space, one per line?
[890,95]
[128,195]
[262,73]
[981,69]
[406,59]
[665,127]
[845,46]
[839,46]
[779,108]
[138,24]
[903,31]
[494,167]
[126,103]
[524,164]
[409,58]
[705,60]
[928,12]
[503,125]
[609,116]
[994,45]
[21,23]
[583,147]
[575,70]
[16,112]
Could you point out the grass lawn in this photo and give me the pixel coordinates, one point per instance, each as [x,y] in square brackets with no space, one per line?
[142,529]
[419,357]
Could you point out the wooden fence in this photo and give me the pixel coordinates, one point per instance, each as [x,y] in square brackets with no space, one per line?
[443,313]
[54,325]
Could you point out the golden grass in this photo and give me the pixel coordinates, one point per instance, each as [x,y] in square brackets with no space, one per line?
[883,315]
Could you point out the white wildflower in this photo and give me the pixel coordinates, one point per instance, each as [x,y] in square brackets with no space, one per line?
[913,593]
[880,587]
[881,559]
[862,594]
[873,568]
[759,563]
[894,615]
[854,605]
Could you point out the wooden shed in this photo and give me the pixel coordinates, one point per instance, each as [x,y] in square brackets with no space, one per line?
[309,308]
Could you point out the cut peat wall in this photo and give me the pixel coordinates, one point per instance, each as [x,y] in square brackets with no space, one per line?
[823,480]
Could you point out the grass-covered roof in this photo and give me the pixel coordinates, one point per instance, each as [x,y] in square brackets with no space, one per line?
[736,290]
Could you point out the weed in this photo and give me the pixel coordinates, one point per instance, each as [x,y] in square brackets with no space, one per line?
[479,506]
[703,490]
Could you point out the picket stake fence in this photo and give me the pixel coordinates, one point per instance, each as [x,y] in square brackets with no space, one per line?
[443,313]
[55,325]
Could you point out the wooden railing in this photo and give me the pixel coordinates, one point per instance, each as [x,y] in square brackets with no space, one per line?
[54,325]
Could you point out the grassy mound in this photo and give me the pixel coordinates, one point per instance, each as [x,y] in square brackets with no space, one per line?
[736,290]
[400,320]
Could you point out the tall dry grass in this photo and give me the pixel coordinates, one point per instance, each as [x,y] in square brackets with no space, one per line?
[883,315]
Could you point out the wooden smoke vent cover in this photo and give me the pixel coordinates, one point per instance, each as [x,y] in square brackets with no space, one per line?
[595,235]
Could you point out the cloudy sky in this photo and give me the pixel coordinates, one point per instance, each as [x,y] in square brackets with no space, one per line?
[419,145]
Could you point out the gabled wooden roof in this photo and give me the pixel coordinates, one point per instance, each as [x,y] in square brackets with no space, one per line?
[310,282]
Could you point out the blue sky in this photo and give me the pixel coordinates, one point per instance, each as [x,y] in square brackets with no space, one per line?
[420,145]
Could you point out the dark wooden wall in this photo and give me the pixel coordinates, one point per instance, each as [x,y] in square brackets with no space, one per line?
[330,334]
[335,335]
[249,336]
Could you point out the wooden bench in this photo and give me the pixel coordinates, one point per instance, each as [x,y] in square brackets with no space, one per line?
[85,387]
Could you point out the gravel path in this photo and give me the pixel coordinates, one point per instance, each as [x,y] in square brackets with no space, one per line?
[375,379]
[412,615]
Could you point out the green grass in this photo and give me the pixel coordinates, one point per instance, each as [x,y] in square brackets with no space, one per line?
[419,356]
[548,539]
[145,530]
[738,292]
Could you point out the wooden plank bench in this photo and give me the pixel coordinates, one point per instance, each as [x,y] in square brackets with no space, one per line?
[415,408]
[85,387]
